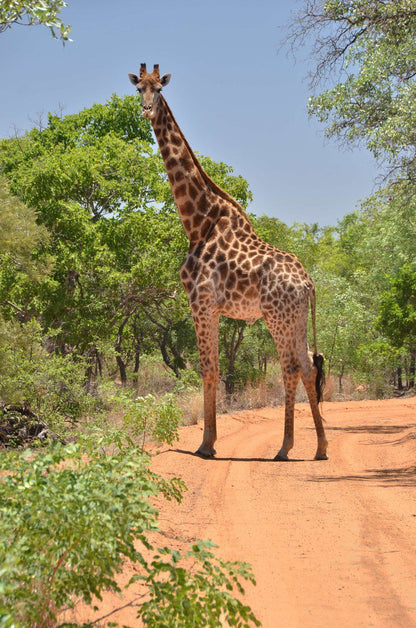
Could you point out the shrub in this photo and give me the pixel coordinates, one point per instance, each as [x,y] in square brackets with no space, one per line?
[149,417]
[199,595]
[70,516]
[51,385]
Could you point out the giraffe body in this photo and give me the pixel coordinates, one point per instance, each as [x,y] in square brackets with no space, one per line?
[230,271]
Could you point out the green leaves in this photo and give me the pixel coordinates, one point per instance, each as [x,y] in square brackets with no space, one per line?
[148,417]
[72,514]
[69,516]
[397,316]
[196,590]
[375,103]
[33,12]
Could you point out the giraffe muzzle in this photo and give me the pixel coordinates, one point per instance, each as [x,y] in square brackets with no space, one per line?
[147,111]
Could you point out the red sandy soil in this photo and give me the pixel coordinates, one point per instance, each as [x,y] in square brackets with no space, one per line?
[331,543]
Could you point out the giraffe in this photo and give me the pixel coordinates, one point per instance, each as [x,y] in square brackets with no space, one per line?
[230,271]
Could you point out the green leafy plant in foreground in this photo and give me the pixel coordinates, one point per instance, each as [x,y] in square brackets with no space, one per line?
[200,595]
[70,515]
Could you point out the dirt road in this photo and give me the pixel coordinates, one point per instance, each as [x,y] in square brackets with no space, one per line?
[331,543]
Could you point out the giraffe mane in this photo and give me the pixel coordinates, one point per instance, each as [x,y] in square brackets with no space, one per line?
[210,182]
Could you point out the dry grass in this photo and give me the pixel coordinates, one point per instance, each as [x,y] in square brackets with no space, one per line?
[155,378]
[192,404]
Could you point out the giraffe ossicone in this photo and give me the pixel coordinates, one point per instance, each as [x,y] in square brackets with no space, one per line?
[230,271]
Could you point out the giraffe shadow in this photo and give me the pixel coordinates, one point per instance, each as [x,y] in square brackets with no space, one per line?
[372,429]
[401,477]
[235,458]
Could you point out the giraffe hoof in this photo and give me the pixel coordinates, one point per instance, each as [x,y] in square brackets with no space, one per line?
[281,457]
[321,457]
[205,452]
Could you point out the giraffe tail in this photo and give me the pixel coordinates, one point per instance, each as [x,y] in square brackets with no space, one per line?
[318,358]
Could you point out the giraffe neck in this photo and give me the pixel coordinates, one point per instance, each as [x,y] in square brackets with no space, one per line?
[197,197]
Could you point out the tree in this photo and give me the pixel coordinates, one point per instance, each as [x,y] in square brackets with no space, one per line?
[365,53]
[35,12]
[20,267]
[92,177]
[397,317]
[373,44]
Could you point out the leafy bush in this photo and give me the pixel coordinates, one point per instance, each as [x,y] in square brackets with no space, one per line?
[51,385]
[71,514]
[196,596]
[149,417]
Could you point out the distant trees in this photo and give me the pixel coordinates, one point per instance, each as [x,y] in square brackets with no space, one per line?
[397,317]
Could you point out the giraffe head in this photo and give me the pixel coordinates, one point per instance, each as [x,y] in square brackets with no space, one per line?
[149,86]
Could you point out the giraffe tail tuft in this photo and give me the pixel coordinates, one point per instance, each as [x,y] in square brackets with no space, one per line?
[318,360]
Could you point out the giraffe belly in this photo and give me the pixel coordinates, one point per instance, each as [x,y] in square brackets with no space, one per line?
[241,310]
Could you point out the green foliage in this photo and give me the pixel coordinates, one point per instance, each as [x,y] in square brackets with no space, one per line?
[70,517]
[22,270]
[19,232]
[303,240]
[33,12]
[51,385]
[397,316]
[344,322]
[244,353]
[223,176]
[196,595]
[149,417]
[374,43]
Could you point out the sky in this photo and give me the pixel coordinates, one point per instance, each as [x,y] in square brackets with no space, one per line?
[236,96]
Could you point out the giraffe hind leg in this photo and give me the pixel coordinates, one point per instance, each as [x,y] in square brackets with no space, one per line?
[309,381]
[311,376]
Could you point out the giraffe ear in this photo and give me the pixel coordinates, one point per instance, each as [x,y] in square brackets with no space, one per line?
[134,79]
[165,79]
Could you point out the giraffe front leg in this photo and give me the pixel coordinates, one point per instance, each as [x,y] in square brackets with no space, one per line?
[206,326]
[206,448]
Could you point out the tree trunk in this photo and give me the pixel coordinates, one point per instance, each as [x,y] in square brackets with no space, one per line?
[412,367]
[137,348]
[163,344]
[236,340]
[340,376]
[120,362]
[99,366]
[262,362]
[399,378]
[122,370]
